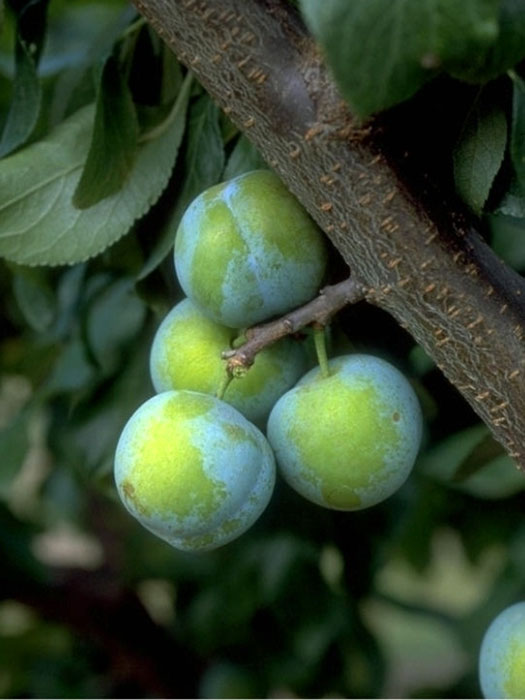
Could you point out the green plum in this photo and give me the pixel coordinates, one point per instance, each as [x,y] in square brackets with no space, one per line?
[246,250]
[186,354]
[347,440]
[502,655]
[192,470]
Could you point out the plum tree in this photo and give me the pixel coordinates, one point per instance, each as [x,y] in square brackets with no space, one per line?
[186,354]
[347,440]
[240,244]
[192,470]
[502,655]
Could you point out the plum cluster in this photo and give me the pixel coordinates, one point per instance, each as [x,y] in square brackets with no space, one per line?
[196,464]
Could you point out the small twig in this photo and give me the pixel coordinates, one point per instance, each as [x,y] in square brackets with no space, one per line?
[320,310]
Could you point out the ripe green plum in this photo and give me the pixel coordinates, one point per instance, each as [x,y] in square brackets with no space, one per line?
[348,440]
[186,354]
[192,470]
[246,250]
[502,655]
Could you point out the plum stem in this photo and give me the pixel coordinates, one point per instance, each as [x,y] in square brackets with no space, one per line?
[320,348]
[320,310]
[226,381]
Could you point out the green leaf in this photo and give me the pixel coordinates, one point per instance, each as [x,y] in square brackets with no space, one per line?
[39,225]
[508,239]
[34,297]
[517,130]
[512,204]
[114,319]
[14,444]
[508,49]
[25,102]
[382,51]
[114,142]
[472,461]
[71,372]
[479,152]
[26,98]
[204,157]
[202,168]
[243,158]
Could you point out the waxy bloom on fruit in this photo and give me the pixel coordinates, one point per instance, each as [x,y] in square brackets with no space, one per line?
[349,440]
[502,655]
[186,354]
[193,470]
[246,250]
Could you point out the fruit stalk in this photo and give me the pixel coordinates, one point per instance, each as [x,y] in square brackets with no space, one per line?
[320,310]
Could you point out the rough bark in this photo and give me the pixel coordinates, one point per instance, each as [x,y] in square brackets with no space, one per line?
[433,273]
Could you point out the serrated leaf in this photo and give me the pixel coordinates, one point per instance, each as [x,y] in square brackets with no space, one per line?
[382,51]
[114,141]
[39,225]
[202,168]
[479,152]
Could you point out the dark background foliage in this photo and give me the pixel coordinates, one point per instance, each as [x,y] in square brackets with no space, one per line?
[106,139]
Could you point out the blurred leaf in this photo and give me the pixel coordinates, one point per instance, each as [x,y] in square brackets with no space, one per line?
[421,362]
[88,441]
[243,158]
[508,238]
[114,140]
[228,680]
[381,52]
[508,49]
[71,372]
[27,95]
[202,168]
[14,444]
[114,319]
[25,102]
[479,151]
[498,478]
[517,131]
[35,297]
[40,225]
[472,461]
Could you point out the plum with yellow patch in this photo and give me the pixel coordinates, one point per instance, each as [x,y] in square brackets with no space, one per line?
[349,440]
[193,470]
[502,655]
[246,250]
[186,354]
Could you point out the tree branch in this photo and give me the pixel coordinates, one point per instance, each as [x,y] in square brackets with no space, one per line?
[320,310]
[432,272]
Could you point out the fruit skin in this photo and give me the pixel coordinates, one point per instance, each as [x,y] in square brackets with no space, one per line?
[347,441]
[502,655]
[246,250]
[186,354]
[193,470]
